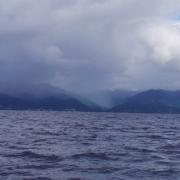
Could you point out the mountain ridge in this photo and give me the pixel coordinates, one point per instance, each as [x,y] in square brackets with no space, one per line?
[150,101]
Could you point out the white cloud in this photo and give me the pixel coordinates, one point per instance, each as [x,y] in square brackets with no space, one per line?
[163,41]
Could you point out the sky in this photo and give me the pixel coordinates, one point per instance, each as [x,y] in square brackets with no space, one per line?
[87,45]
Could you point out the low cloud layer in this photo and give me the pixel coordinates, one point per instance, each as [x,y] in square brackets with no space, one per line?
[84,45]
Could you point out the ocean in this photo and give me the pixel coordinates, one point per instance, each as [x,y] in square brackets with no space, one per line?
[51,145]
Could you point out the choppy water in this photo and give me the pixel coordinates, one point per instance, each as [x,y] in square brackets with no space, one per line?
[97,146]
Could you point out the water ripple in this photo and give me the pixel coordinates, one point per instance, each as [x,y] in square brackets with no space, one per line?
[86,146]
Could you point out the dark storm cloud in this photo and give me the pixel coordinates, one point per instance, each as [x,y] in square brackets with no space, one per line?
[86,45]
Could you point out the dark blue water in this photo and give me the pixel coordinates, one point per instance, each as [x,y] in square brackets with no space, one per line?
[97,146]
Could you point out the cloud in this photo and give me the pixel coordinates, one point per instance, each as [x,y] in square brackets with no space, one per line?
[163,40]
[85,45]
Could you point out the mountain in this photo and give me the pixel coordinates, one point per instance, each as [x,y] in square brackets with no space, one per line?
[35,90]
[46,103]
[109,98]
[61,103]
[8,102]
[88,102]
[52,98]
[44,97]
[145,108]
[151,101]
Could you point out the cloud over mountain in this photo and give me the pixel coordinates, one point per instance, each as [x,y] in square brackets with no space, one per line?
[85,45]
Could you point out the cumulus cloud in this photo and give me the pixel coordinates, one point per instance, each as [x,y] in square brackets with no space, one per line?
[85,45]
[163,40]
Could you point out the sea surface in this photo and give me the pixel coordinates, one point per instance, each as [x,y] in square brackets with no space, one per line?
[38,145]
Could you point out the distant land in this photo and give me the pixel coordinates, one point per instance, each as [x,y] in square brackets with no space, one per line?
[150,101]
